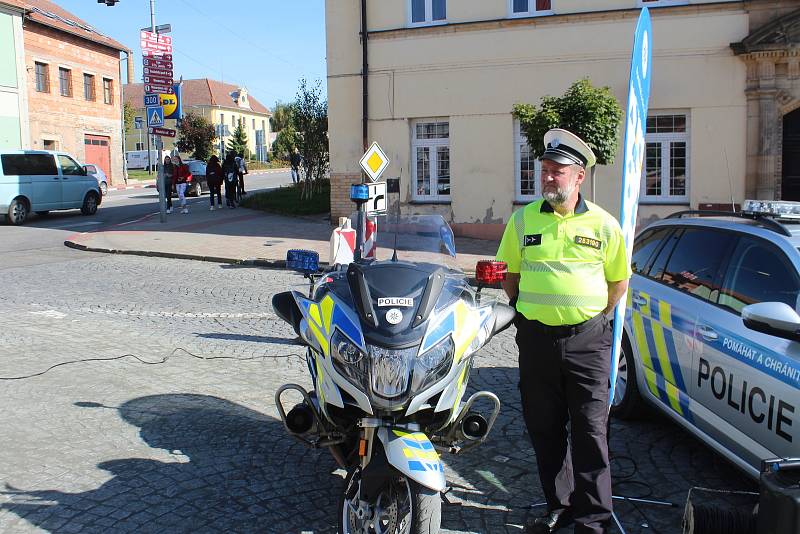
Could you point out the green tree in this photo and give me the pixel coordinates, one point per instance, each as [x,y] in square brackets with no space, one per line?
[129,112]
[196,135]
[238,142]
[281,116]
[285,143]
[591,113]
[310,120]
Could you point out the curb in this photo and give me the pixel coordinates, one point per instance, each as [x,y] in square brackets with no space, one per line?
[255,262]
[138,186]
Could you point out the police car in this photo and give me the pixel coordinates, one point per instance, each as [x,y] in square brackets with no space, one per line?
[712,334]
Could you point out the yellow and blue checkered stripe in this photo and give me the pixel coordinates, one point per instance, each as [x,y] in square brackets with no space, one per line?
[419,452]
[653,324]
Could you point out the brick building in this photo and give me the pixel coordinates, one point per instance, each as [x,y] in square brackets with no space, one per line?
[74,87]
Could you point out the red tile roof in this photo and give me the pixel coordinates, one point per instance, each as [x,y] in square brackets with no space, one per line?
[13,3]
[202,92]
[49,14]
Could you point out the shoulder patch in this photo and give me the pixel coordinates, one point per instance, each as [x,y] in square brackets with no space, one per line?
[533,240]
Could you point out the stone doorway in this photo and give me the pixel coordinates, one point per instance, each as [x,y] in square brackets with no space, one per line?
[790,183]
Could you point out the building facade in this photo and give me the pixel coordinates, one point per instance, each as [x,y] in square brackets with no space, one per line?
[73,82]
[13,96]
[444,75]
[224,105]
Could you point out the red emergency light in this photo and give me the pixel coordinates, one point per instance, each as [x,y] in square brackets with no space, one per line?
[490,271]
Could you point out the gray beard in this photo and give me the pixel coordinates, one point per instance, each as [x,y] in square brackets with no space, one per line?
[558,197]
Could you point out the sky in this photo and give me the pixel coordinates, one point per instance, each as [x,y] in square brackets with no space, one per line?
[264,45]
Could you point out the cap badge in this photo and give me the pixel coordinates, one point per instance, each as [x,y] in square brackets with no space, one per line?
[554,143]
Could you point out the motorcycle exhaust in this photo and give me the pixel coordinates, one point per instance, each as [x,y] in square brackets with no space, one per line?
[300,419]
[474,426]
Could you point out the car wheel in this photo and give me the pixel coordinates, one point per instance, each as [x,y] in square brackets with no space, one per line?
[627,402]
[103,188]
[198,189]
[90,203]
[44,213]
[17,211]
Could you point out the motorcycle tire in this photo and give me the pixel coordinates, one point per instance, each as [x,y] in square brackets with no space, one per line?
[425,513]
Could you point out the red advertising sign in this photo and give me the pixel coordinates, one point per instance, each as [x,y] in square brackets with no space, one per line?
[163,73]
[157,80]
[152,89]
[166,132]
[157,63]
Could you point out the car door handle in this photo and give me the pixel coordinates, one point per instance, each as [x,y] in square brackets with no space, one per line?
[56,178]
[639,301]
[708,333]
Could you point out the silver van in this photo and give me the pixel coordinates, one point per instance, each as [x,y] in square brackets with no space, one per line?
[40,181]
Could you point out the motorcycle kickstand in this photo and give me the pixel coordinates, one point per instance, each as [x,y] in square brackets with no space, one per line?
[447,501]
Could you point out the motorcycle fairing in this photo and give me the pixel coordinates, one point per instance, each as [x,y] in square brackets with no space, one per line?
[461,321]
[413,454]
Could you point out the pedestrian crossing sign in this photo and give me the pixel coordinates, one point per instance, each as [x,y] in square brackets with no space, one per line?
[374,162]
[155,116]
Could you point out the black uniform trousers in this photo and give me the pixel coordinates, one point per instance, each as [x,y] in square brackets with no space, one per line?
[564,373]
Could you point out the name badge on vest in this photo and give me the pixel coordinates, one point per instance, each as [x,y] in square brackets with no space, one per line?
[587,242]
[533,239]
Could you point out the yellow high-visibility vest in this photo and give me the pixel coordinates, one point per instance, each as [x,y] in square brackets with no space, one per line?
[564,262]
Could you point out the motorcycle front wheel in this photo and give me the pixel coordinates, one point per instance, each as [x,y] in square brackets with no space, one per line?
[402,507]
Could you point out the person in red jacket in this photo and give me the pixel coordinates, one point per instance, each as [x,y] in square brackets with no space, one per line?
[183,178]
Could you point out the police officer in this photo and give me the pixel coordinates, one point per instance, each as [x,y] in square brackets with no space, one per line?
[567,268]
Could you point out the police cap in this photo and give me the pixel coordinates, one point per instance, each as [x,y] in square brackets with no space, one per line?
[567,148]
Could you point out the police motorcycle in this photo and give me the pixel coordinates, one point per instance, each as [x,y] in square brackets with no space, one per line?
[390,348]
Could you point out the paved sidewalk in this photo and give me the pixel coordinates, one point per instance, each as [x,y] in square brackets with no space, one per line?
[139,184]
[238,236]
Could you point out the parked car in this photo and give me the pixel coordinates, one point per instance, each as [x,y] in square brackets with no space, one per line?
[41,181]
[712,334]
[102,181]
[199,183]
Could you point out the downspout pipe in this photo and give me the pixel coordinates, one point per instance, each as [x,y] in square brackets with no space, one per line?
[122,112]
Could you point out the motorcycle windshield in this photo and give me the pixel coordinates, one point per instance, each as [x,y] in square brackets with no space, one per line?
[416,238]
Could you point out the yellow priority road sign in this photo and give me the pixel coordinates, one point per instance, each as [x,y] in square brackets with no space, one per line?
[374,162]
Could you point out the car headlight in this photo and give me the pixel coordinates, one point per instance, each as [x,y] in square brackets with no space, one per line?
[391,370]
[348,359]
[434,364]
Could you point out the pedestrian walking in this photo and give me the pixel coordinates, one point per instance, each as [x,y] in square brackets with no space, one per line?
[229,172]
[168,181]
[241,169]
[183,178]
[568,268]
[295,160]
[214,178]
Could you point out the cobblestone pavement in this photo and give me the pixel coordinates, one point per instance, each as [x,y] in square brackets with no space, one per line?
[194,444]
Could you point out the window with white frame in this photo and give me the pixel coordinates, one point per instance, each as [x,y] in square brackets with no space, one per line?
[423,12]
[529,8]
[666,162]
[526,168]
[430,159]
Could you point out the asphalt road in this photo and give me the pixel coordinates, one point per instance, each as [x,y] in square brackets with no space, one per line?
[41,239]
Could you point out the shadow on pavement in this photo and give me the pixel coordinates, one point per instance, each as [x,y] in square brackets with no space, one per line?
[234,470]
[254,339]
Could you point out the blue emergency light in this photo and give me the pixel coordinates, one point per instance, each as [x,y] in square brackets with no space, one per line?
[303,261]
[359,192]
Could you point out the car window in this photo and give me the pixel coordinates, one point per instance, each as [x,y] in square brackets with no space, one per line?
[197,167]
[645,246]
[28,164]
[758,272]
[69,167]
[695,264]
[656,270]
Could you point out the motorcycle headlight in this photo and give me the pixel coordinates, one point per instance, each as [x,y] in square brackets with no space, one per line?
[348,359]
[434,364]
[391,370]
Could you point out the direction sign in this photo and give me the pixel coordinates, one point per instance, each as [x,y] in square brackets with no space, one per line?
[155,116]
[166,132]
[157,63]
[151,100]
[157,80]
[158,88]
[163,73]
[163,56]
[137,123]
[146,35]
[374,162]
[376,205]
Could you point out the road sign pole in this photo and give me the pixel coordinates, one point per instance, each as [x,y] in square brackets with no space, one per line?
[162,193]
